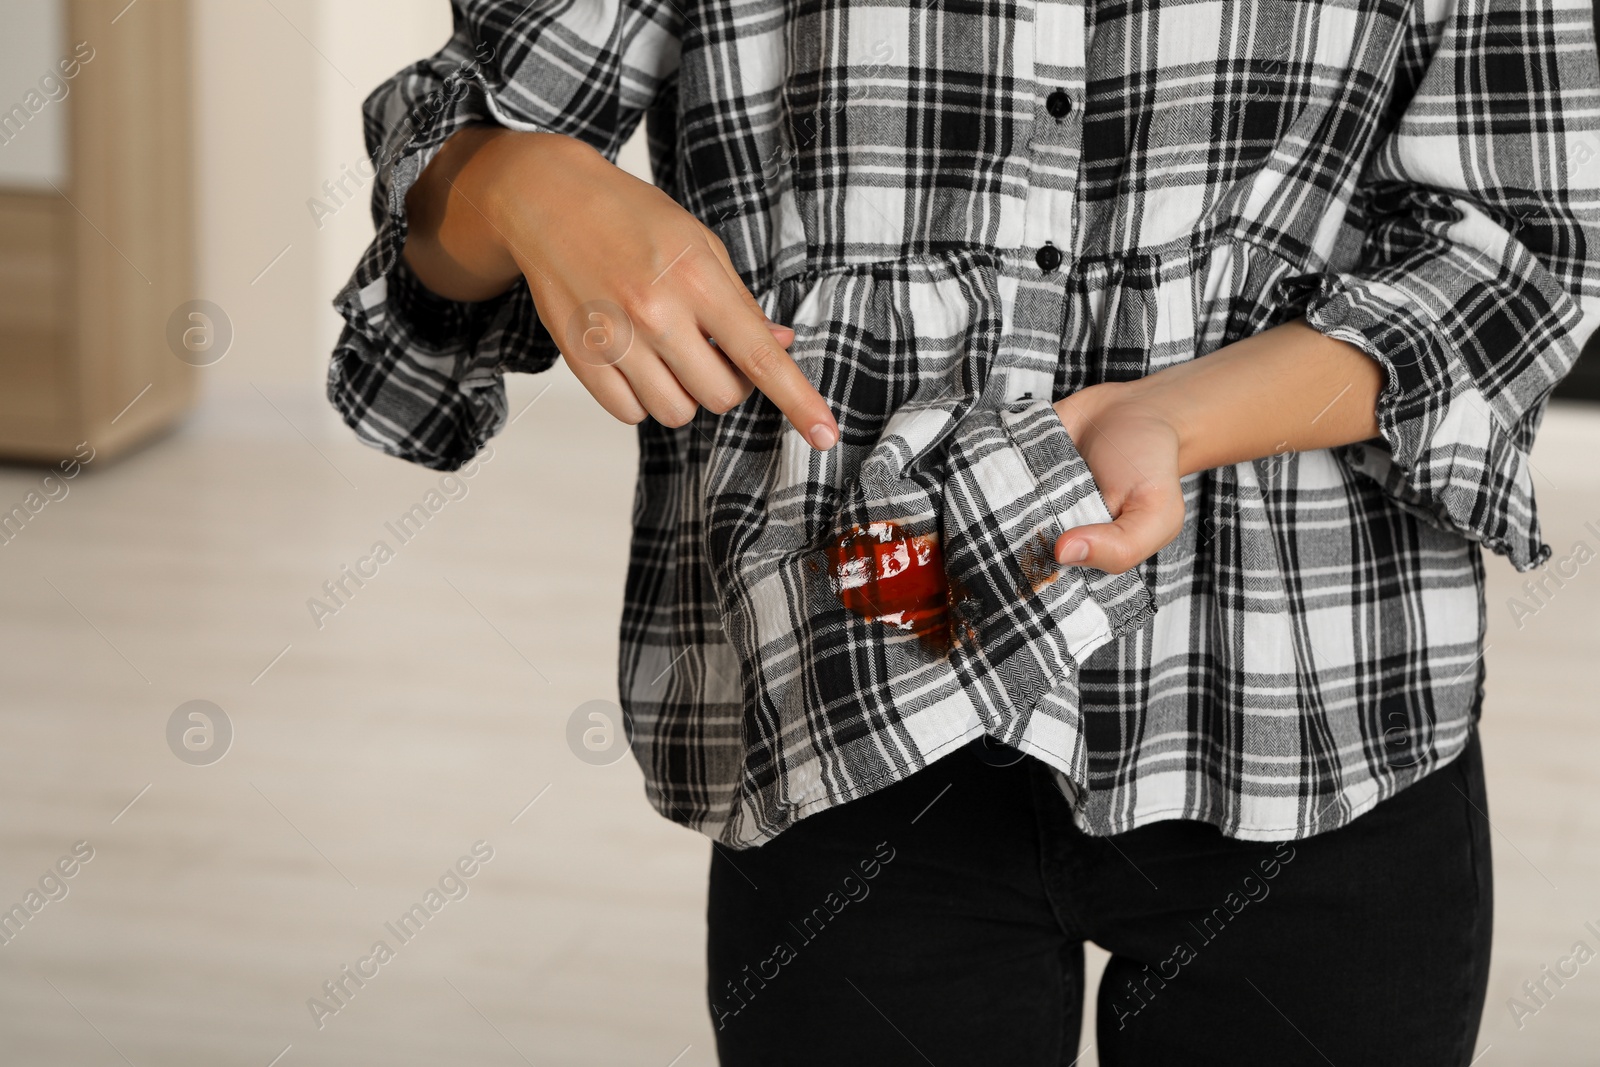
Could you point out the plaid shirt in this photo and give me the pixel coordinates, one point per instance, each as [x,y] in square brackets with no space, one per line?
[966,211]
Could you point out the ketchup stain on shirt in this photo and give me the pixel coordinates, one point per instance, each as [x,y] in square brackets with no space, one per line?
[887,576]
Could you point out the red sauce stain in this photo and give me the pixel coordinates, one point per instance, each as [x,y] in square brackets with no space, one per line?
[886,576]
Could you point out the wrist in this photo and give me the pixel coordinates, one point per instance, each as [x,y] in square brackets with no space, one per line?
[477,209]
[1168,397]
[1151,399]
[515,178]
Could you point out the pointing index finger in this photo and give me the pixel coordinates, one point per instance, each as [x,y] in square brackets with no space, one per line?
[744,338]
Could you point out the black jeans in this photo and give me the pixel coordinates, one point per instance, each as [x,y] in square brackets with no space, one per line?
[942,920]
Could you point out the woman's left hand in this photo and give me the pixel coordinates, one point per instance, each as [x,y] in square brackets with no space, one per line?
[1286,389]
[1131,446]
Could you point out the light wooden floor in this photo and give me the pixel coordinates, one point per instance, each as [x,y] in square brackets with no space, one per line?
[429,711]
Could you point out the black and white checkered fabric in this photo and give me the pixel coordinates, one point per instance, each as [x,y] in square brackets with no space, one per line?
[892,178]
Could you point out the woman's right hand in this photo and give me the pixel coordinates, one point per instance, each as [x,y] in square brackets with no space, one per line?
[629,284]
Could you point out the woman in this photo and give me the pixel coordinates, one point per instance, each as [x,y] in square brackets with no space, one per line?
[1140,382]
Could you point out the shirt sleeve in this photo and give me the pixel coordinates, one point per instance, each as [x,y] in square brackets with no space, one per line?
[1475,288]
[413,374]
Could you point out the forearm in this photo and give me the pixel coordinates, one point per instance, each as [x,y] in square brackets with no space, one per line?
[1287,389]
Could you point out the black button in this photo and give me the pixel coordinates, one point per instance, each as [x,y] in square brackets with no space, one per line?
[1048,258]
[1058,103]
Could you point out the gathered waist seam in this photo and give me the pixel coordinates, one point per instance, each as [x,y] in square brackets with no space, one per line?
[1161,263]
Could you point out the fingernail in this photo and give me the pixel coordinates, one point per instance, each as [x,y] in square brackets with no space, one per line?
[1075,552]
[823,437]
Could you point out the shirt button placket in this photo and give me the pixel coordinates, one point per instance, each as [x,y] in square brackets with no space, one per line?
[1059,31]
[1044,260]
[1054,142]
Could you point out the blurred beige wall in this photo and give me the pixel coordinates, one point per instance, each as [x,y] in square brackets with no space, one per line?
[279,86]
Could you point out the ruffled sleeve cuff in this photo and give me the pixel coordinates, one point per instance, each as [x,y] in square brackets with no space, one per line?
[1444,453]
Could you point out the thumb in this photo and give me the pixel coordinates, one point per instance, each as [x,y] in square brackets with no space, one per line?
[1115,547]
